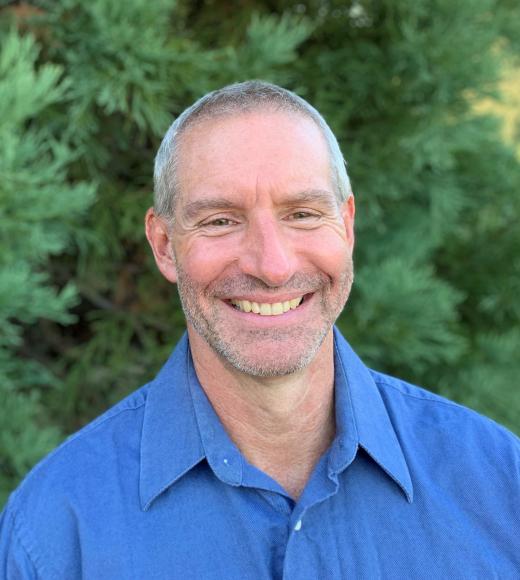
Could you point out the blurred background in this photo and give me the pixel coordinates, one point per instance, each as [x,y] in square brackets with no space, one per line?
[424,96]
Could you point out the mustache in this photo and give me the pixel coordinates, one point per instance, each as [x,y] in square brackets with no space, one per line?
[243,284]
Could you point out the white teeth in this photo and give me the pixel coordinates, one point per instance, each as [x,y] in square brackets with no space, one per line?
[265,308]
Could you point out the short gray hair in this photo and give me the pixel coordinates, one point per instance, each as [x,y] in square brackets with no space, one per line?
[236,99]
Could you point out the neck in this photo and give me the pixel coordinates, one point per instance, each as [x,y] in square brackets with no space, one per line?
[282,425]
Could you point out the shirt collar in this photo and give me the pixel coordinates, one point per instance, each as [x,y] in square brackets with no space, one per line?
[170,441]
[180,427]
[362,419]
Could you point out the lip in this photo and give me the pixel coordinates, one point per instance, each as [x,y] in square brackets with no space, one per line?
[288,317]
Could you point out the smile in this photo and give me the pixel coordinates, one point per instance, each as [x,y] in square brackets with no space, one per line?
[266,308]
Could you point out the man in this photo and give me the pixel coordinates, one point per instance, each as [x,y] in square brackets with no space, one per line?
[265,448]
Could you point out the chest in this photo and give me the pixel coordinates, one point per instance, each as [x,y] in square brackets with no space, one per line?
[196,530]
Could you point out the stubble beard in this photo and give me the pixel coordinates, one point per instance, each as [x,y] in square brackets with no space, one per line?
[233,349]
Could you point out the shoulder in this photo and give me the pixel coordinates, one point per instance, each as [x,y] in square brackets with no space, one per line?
[78,476]
[112,436]
[89,488]
[115,431]
[448,432]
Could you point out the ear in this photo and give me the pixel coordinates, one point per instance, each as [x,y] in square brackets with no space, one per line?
[158,232]
[348,211]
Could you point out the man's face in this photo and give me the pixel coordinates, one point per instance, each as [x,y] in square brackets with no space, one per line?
[263,250]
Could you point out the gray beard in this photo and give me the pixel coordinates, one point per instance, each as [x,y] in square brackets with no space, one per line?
[226,349]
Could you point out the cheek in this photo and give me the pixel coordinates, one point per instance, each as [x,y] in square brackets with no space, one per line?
[328,252]
[204,260]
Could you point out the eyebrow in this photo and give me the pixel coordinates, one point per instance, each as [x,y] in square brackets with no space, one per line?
[322,195]
[194,208]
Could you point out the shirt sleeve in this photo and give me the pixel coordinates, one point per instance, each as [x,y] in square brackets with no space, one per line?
[15,561]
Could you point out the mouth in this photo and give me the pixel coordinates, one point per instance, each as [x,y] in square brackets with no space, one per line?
[267,308]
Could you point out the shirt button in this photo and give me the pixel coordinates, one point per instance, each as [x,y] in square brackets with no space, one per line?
[298,526]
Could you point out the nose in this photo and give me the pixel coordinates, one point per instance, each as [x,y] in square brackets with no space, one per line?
[268,253]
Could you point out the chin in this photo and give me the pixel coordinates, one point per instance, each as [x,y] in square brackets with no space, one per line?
[268,360]
[264,368]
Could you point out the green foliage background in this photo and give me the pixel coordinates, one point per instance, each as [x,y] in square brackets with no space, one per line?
[87,89]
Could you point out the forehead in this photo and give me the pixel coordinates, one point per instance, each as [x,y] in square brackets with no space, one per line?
[262,151]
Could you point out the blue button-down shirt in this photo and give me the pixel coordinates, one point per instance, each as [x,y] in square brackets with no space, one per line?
[413,486]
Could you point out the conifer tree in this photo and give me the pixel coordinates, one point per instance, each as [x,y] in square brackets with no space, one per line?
[437,268]
[38,208]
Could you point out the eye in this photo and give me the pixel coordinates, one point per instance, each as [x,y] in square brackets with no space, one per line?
[303,215]
[219,222]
